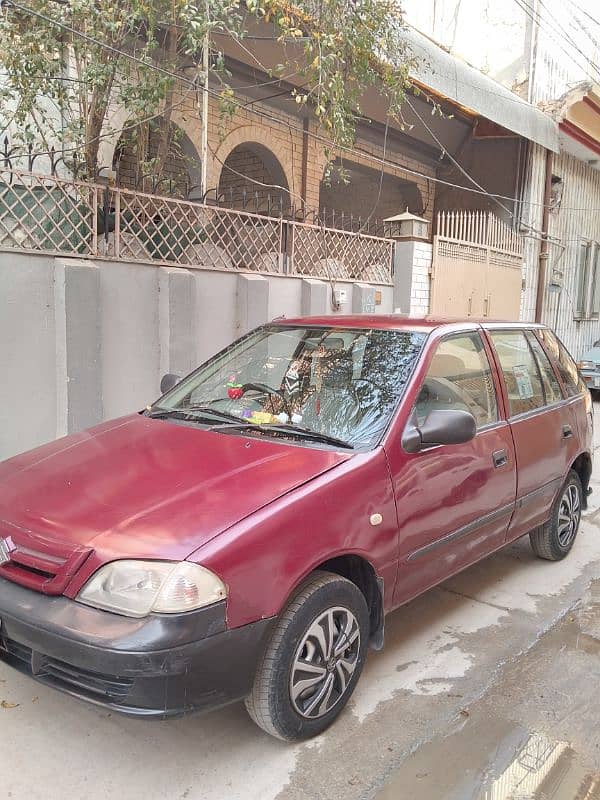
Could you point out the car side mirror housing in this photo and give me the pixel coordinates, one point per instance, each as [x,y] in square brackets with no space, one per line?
[168,381]
[448,426]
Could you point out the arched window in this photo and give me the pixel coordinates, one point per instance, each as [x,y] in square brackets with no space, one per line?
[253,179]
[135,162]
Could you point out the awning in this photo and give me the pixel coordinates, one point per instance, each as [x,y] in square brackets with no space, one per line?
[455,80]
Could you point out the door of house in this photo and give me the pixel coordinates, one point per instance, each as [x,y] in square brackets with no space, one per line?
[477,267]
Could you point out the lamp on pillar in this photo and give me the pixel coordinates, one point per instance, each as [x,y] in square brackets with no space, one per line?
[407,227]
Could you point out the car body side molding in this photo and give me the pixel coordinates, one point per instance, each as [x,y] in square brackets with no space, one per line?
[465,530]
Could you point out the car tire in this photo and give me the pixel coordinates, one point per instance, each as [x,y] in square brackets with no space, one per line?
[303,680]
[554,540]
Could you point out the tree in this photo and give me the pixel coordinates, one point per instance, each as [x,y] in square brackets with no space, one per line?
[68,64]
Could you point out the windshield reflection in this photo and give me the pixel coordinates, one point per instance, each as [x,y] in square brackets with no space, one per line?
[341,383]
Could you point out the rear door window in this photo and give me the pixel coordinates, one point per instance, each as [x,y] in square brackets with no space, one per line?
[521,372]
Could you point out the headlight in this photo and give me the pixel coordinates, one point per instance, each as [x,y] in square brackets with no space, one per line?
[136,588]
[586,365]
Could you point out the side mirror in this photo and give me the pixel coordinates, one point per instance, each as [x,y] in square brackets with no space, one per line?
[168,381]
[450,426]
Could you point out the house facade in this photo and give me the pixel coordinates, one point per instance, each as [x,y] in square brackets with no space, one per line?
[547,53]
[137,277]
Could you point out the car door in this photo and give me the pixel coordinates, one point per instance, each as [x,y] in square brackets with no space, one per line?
[543,429]
[454,502]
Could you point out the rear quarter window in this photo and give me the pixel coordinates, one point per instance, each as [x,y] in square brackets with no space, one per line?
[565,365]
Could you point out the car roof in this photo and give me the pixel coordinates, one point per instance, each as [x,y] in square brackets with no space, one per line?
[396,322]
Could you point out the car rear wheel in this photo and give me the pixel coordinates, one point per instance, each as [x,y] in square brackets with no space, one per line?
[313,660]
[555,539]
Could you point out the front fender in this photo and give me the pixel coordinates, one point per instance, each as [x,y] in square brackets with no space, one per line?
[264,557]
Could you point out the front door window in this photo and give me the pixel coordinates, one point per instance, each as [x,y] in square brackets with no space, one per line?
[459,377]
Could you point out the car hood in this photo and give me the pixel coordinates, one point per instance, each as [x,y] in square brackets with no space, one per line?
[147,488]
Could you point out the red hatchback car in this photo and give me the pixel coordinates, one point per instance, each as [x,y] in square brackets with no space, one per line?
[245,536]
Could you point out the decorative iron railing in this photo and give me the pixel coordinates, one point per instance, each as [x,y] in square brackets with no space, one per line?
[50,214]
[479,228]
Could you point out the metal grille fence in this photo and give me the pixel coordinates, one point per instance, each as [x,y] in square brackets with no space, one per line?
[49,214]
[319,251]
[480,228]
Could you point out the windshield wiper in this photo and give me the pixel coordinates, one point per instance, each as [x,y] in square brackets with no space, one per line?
[193,412]
[306,433]
[294,430]
[156,412]
[215,412]
[233,421]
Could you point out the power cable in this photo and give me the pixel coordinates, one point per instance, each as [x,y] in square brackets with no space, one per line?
[279,121]
[445,151]
[585,13]
[561,29]
[580,24]
[555,35]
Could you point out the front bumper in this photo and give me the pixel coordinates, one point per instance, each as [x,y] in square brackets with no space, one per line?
[160,666]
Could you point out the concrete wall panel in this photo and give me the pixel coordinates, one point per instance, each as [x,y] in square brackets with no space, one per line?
[216,318]
[177,317]
[252,301]
[27,352]
[82,341]
[83,338]
[285,298]
[130,342]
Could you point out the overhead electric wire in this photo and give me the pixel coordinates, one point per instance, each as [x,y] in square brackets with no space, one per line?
[561,29]
[555,35]
[279,121]
[445,151]
[582,27]
[585,13]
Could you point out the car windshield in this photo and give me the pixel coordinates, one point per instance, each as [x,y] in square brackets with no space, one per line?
[311,383]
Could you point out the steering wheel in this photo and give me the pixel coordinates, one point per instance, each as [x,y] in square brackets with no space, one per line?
[442,390]
[264,389]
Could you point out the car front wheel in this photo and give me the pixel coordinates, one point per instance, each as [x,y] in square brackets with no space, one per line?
[555,539]
[313,660]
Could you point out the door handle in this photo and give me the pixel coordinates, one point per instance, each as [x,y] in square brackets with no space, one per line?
[500,458]
[567,432]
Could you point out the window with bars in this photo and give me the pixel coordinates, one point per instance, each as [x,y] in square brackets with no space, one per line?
[588,275]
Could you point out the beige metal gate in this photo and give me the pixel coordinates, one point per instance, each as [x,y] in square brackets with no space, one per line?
[477,267]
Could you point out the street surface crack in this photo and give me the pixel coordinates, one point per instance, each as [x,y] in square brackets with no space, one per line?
[477,600]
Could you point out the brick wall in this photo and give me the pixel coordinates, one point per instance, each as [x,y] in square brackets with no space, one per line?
[367,196]
[419,294]
[236,137]
[174,179]
[248,192]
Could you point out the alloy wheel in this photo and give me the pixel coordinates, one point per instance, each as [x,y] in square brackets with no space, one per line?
[324,663]
[569,513]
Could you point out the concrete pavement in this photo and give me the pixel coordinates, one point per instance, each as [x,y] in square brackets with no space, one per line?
[467,672]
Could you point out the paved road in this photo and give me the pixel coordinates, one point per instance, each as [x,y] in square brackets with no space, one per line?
[463,695]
